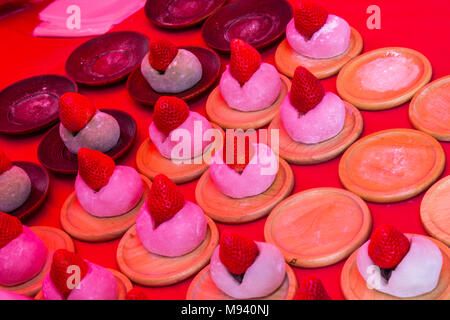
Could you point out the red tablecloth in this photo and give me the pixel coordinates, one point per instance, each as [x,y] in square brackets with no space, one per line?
[420,25]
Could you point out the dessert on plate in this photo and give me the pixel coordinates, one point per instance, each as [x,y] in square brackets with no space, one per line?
[312,288]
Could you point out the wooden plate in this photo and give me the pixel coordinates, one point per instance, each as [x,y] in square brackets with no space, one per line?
[392,165]
[150,163]
[53,239]
[287,60]
[235,211]
[140,90]
[85,227]
[203,288]
[219,111]
[54,155]
[429,110]
[300,153]
[350,88]
[32,104]
[318,227]
[148,269]
[354,286]
[107,59]
[435,210]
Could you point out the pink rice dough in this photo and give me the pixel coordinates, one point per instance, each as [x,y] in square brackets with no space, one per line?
[323,122]
[330,41]
[258,93]
[261,279]
[22,258]
[120,195]
[175,237]
[98,284]
[9,295]
[169,145]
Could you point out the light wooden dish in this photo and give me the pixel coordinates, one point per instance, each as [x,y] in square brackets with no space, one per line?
[235,211]
[151,163]
[219,112]
[350,89]
[430,108]
[354,287]
[318,227]
[304,154]
[392,165]
[53,239]
[435,210]
[202,287]
[83,226]
[148,269]
[287,60]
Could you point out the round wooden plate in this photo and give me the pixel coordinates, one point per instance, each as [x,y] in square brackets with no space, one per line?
[83,226]
[235,211]
[429,110]
[107,59]
[300,153]
[32,104]
[150,163]
[350,88]
[354,287]
[140,90]
[203,287]
[53,239]
[180,14]
[54,155]
[39,188]
[318,227]
[219,111]
[148,269]
[287,60]
[392,165]
[435,210]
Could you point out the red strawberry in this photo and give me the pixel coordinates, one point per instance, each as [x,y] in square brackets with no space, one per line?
[169,113]
[5,163]
[309,17]
[136,294]
[95,168]
[162,53]
[312,288]
[75,111]
[388,246]
[164,199]
[237,252]
[60,272]
[10,228]
[233,159]
[244,61]
[306,91]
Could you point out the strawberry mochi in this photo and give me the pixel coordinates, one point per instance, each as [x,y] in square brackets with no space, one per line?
[312,288]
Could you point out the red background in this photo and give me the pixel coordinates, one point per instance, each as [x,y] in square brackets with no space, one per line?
[420,25]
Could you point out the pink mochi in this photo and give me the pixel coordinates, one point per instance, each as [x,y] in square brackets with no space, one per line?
[330,41]
[175,237]
[9,295]
[22,258]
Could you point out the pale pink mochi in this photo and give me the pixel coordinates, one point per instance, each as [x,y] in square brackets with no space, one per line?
[120,195]
[258,93]
[98,284]
[323,122]
[261,279]
[176,144]
[256,178]
[418,272]
[175,237]
[15,188]
[330,41]
[22,258]
[9,295]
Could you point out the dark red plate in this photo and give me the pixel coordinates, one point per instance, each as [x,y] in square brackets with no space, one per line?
[140,90]
[39,189]
[257,22]
[107,59]
[31,104]
[180,14]
[54,155]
